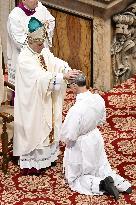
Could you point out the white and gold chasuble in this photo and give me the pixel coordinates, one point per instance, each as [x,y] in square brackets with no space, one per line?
[38,93]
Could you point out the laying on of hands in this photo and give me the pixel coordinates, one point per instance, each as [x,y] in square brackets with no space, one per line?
[70,75]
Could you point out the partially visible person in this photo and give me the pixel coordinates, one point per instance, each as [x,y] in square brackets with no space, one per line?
[1,76]
[40,83]
[17,27]
[85,163]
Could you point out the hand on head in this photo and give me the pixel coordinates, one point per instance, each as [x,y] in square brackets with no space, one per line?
[71,75]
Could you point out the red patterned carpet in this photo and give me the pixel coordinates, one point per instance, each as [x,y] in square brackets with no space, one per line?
[120,143]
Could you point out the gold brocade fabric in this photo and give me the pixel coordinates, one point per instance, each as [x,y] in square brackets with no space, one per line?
[1,76]
[51,136]
[44,66]
[42,62]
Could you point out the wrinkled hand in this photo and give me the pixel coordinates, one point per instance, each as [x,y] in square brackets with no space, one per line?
[71,75]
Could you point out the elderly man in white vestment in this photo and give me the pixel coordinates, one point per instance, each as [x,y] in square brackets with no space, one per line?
[85,163]
[40,88]
[17,27]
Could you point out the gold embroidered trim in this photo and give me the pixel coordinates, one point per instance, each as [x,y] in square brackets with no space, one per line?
[42,62]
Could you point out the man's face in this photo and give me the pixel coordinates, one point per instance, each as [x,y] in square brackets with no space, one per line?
[37,46]
[30,4]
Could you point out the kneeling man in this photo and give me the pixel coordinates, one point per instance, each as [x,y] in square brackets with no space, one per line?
[85,163]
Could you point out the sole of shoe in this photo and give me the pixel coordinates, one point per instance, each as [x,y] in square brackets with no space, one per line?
[110,188]
[114,192]
[129,190]
[53,164]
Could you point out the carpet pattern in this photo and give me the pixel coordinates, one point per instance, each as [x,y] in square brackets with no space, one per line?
[120,143]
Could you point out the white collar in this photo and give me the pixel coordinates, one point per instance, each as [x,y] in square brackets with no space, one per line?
[81,96]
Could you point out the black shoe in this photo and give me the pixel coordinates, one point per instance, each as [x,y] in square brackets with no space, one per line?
[129,190]
[107,185]
[53,164]
[14,160]
[24,171]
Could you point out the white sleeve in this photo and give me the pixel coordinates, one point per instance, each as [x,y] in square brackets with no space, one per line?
[55,83]
[103,113]
[61,64]
[61,67]
[54,80]
[70,129]
[103,118]
[16,32]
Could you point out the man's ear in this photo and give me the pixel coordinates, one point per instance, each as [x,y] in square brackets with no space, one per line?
[30,40]
[75,86]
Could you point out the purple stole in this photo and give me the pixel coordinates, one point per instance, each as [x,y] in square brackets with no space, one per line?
[27,11]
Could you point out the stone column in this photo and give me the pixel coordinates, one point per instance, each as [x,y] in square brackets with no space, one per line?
[1,76]
[102,76]
[5,8]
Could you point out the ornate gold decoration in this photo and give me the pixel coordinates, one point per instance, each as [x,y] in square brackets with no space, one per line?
[42,62]
[105,1]
[6,118]
[123,49]
[44,66]
[51,135]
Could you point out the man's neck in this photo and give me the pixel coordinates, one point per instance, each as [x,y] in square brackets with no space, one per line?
[82,90]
